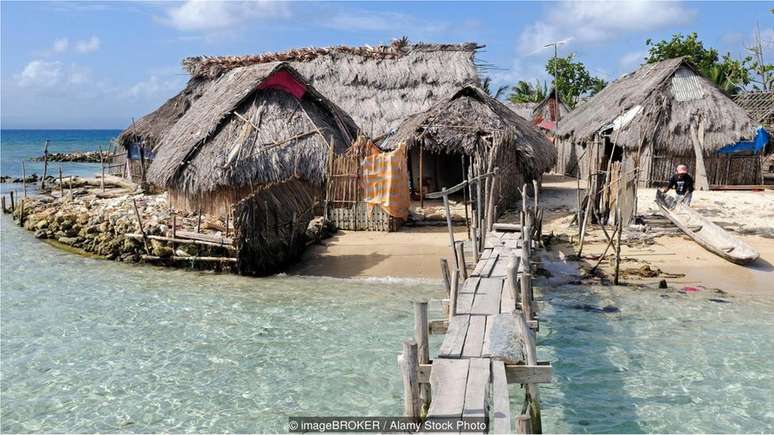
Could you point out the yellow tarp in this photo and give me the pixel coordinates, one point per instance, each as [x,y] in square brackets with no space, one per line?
[385,179]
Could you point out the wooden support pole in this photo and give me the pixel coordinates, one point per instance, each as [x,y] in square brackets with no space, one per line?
[449,225]
[536,194]
[61,183]
[421,333]
[511,279]
[619,221]
[45,166]
[3,204]
[421,175]
[21,212]
[139,224]
[460,249]
[13,202]
[24,179]
[453,294]
[523,425]
[445,276]
[526,294]
[532,396]
[586,214]
[407,361]
[199,221]
[102,164]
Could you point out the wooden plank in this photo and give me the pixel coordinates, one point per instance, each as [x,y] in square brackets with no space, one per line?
[526,374]
[474,340]
[437,327]
[504,339]
[448,382]
[466,295]
[501,402]
[477,389]
[499,269]
[487,300]
[455,337]
[485,254]
[490,263]
[502,227]
[507,303]
[205,237]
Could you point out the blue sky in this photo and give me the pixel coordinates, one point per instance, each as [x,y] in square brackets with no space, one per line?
[97,65]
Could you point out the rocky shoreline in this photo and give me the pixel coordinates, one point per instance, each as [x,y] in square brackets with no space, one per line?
[80,156]
[105,224]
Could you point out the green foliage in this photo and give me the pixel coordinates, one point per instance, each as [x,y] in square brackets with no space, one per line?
[524,92]
[486,85]
[729,74]
[573,80]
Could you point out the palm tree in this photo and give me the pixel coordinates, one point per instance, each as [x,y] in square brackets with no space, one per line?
[524,92]
[486,85]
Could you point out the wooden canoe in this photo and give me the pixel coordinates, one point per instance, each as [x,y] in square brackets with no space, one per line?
[705,232]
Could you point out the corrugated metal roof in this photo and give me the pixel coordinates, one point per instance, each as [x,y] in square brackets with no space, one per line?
[686,85]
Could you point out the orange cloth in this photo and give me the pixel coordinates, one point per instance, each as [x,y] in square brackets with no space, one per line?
[385,180]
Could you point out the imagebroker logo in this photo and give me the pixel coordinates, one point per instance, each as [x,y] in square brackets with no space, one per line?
[386,424]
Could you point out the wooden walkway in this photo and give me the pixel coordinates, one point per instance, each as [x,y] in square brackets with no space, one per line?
[489,340]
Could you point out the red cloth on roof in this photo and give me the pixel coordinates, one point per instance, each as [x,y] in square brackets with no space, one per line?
[285,81]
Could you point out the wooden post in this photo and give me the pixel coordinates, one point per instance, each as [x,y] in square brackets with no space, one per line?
[445,276]
[61,184]
[24,179]
[199,221]
[21,212]
[535,192]
[453,294]
[532,397]
[511,279]
[525,295]
[421,174]
[174,224]
[491,218]
[13,202]
[465,201]
[459,248]
[697,137]
[139,224]
[523,424]
[421,332]
[45,166]
[102,164]
[479,217]
[3,203]
[408,366]
[449,225]
[586,214]
[619,221]
[474,230]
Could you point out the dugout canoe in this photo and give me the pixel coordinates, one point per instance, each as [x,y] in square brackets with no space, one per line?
[704,232]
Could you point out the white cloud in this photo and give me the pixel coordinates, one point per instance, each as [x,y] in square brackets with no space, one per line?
[60,45]
[631,59]
[374,21]
[155,87]
[41,73]
[597,21]
[204,15]
[87,45]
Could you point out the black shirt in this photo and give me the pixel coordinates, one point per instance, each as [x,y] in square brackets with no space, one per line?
[682,183]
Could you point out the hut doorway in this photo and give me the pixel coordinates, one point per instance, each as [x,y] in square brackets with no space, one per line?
[432,171]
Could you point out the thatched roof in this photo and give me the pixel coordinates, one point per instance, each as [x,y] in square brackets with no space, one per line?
[238,134]
[469,119]
[659,103]
[759,105]
[151,127]
[524,110]
[541,107]
[378,86]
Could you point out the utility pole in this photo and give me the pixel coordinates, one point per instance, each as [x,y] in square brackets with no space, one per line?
[556,45]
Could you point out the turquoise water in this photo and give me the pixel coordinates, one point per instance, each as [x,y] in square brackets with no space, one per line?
[23,145]
[90,345]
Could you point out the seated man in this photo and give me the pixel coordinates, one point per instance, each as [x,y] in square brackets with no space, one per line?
[682,182]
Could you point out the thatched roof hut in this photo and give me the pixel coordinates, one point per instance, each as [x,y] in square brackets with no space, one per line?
[759,105]
[473,124]
[524,110]
[257,141]
[378,86]
[662,110]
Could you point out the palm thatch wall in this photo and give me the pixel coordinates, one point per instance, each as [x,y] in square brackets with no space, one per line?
[378,86]
[474,124]
[251,146]
[662,109]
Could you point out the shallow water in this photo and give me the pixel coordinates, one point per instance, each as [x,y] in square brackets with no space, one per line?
[90,345]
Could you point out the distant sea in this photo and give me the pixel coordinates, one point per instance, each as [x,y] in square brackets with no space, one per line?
[17,146]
